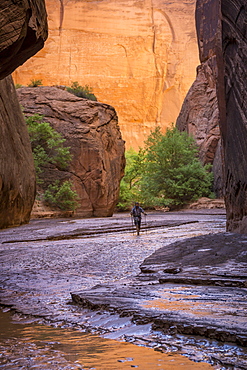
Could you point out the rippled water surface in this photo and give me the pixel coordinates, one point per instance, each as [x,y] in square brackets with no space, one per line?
[38,275]
[32,346]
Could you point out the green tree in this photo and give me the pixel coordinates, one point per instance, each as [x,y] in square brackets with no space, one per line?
[81,91]
[173,174]
[49,149]
[61,196]
[47,146]
[130,183]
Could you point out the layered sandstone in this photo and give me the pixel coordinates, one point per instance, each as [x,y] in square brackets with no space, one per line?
[138,56]
[234,113]
[199,116]
[91,131]
[221,88]
[23,32]
[17,174]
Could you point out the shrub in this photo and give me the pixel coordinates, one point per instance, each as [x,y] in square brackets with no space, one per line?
[173,174]
[61,196]
[35,83]
[47,145]
[81,91]
[17,86]
[49,149]
[130,183]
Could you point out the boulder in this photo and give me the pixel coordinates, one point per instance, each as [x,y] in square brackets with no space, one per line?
[91,131]
[23,32]
[17,174]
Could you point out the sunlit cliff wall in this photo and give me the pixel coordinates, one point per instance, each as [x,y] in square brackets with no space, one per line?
[138,56]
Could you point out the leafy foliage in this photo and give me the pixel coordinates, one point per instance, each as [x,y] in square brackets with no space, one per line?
[49,150]
[81,91]
[35,83]
[167,172]
[173,173]
[61,196]
[47,145]
[130,184]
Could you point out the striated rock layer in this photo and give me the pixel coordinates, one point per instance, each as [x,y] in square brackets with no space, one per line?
[138,56]
[199,116]
[23,32]
[217,99]
[234,113]
[91,131]
[17,174]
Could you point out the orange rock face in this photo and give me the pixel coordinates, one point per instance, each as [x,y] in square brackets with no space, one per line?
[138,56]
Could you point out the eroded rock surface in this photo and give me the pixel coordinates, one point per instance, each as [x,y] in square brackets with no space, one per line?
[199,116]
[217,99]
[185,288]
[234,116]
[91,131]
[138,56]
[24,30]
[17,174]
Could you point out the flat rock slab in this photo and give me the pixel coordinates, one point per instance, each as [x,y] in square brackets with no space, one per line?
[67,228]
[196,286]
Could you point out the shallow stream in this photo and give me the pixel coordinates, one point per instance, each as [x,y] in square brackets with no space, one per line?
[38,274]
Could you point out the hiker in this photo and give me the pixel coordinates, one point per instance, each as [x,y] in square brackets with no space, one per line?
[136,212]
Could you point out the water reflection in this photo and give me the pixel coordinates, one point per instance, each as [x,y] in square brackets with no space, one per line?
[36,346]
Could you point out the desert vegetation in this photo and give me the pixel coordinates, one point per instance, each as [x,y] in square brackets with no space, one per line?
[49,151]
[85,92]
[167,172]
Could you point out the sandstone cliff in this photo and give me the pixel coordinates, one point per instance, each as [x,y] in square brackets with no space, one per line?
[138,56]
[199,116]
[91,131]
[217,99]
[23,32]
[232,77]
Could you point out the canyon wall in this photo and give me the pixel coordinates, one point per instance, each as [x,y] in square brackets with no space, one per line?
[91,131]
[232,66]
[217,100]
[199,116]
[23,33]
[138,56]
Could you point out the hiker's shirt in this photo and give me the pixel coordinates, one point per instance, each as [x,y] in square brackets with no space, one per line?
[137,212]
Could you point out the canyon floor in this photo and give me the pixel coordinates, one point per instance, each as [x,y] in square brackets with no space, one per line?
[178,288]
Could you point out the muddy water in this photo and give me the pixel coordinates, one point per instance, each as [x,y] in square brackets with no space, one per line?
[37,276]
[33,346]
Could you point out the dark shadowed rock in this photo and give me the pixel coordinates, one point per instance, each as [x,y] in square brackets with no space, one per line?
[17,174]
[234,116]
[23,32]
[91,131]
[218,99]
[199,116]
